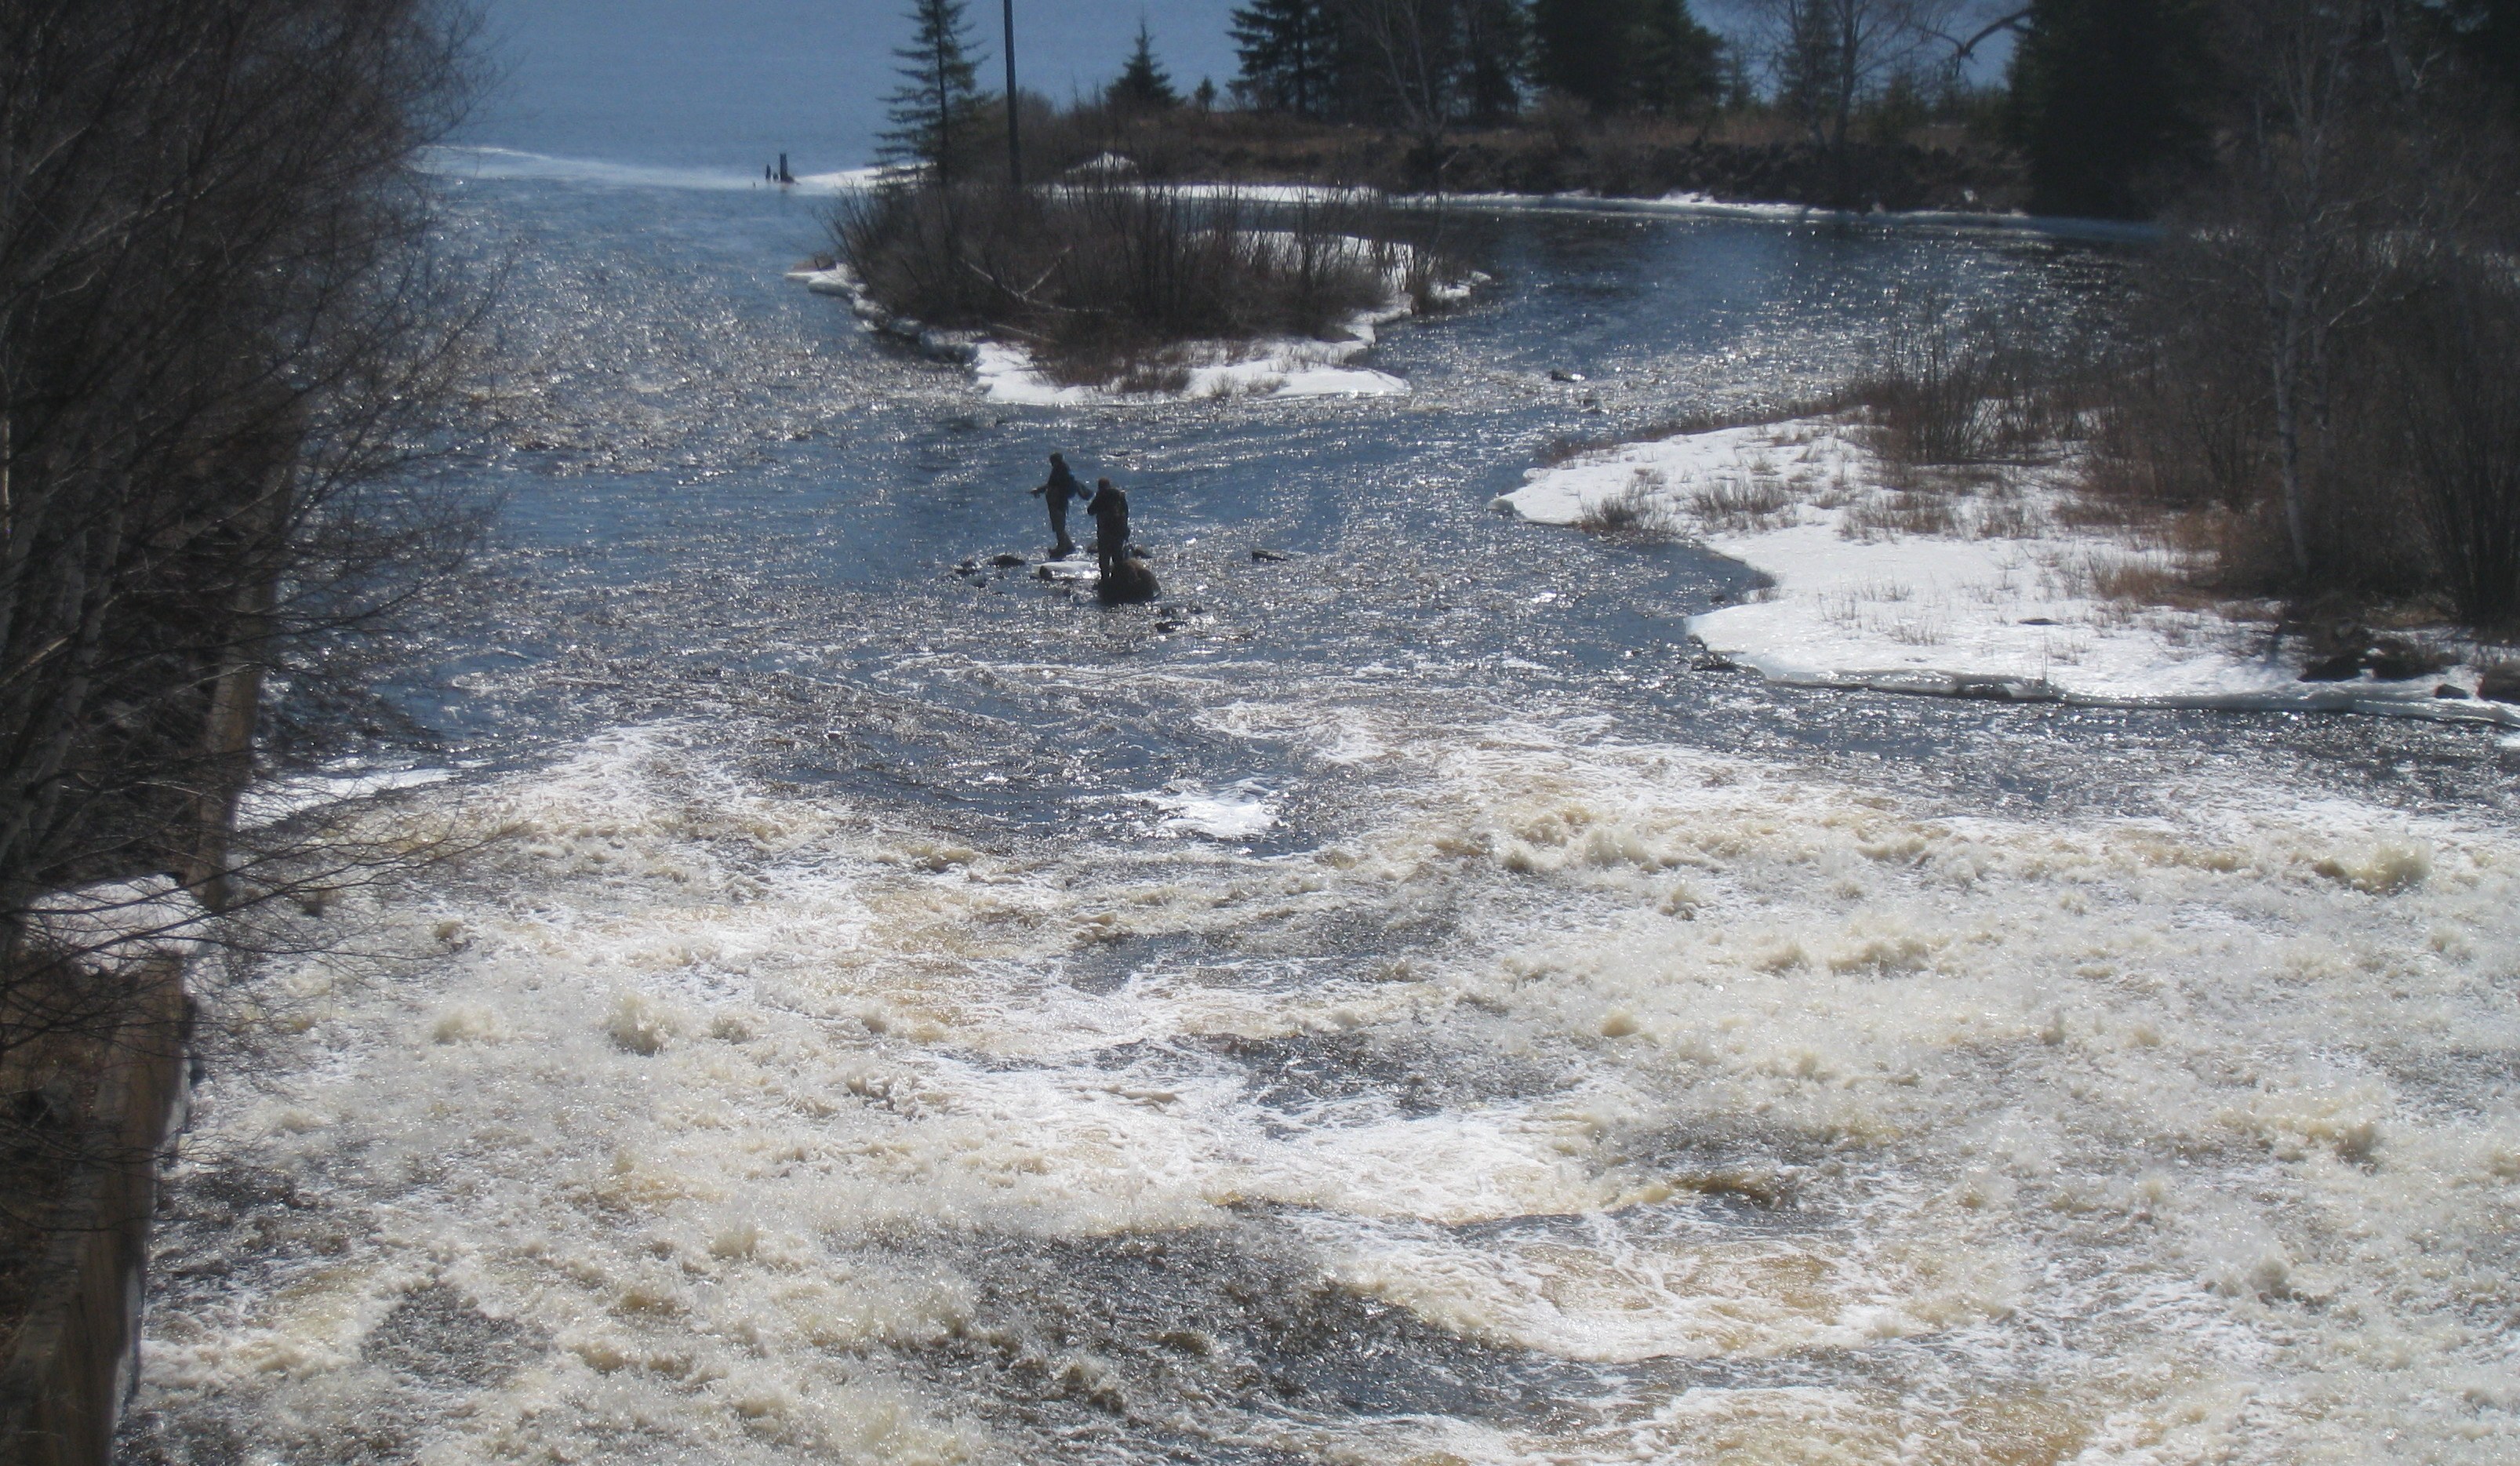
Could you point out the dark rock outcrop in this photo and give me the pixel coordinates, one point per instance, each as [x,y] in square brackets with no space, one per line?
[2346,650]
[63,1382]
[1129,583]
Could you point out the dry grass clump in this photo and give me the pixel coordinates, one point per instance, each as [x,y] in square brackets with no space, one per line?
[1906,512]
[1751,505]
[1638,510]
[2006,516]
[2138,580]
[1099,277]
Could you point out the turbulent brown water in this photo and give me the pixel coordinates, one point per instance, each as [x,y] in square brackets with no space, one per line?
[1380,1005]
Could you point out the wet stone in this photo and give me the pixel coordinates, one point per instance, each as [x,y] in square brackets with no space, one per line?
[1187,1336]
[435,1335]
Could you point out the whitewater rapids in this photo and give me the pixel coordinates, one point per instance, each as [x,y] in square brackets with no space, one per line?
[1581,1100]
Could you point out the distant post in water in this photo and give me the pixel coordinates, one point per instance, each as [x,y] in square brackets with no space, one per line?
[1015,147]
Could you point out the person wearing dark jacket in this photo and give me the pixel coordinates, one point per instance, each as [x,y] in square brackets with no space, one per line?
[1110,510]
[1061,487]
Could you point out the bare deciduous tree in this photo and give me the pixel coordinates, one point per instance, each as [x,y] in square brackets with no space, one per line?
[2302,210]
[1829,55]
[221,334]
[1415,46]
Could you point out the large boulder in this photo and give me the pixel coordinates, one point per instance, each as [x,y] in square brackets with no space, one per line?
[1129,582]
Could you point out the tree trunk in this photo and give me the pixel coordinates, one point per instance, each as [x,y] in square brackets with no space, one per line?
[2285,360]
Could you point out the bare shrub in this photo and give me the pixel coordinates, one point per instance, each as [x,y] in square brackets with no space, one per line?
[2181,422]
[2451,381]
[223,334]
[1927,389]
[1100,274]
[1155,375]
[2318,365]
[1948,386]
[2008,519]
[2108,575]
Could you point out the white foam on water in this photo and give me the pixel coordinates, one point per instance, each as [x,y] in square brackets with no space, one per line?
[1238,811]
[467,161]
[2149,1140]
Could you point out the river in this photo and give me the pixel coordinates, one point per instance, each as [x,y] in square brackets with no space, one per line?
[1382,1003]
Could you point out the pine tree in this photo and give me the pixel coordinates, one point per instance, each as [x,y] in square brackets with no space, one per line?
[2489,32]
[1681,63]
[1496,55]
[1625,54]
[1143,83]
[2105,96]
[935,115]
[1812,66]
[1286,48]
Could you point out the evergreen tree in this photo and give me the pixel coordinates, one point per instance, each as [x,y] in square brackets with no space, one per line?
[1286,48]
[1810,66]
[936,114]
[1577,49]
[2488,32]
[1496,55]
[1626,55]
[1143,83]
[1681,63]
[2105,98]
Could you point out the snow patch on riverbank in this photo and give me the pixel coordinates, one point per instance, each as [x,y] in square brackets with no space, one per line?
[1273,367]
[1986,591]
[1281,366]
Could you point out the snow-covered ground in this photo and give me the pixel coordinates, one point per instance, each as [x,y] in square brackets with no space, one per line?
[1272,367]
[1984,590]
[1268,366]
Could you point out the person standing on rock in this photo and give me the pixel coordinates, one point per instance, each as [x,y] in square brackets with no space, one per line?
[1061,487]
[1110,510]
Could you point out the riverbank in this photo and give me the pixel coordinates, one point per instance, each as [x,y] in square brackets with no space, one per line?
[1992,584]
[97,1078]
[1730,159]
[1010,372]
[871,1038]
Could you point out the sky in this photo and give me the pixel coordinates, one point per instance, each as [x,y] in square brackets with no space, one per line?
[731,84]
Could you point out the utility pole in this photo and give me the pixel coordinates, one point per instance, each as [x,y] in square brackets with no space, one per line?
[1014,147]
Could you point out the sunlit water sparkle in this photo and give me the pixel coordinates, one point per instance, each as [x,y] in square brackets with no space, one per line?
[1382,1004]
